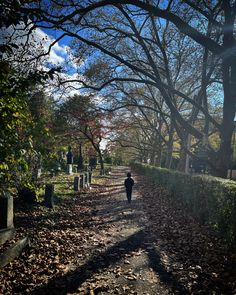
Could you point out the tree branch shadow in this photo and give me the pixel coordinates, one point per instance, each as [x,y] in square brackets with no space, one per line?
[72,280]
[167,278]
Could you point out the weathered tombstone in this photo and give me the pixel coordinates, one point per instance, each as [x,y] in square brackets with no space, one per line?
[82,181]
[27,195]
[76,183]
[7,231]
[39,172]
[80,165]
[85,179]
[6,212]
[6,234]
[90,177]
[39,166]
[14,251]
[49,195]
[69,156]
[69,169]
[231,174]
[86,175]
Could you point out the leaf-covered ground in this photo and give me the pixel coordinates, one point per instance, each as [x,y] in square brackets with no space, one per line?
[97,243]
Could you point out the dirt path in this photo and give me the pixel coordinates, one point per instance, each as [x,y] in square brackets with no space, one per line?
[124,267]
[122,261]
[97,243]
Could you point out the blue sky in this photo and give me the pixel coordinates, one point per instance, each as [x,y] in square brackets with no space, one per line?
[40,41]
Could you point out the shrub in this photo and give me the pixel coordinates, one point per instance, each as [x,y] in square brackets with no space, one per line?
[211,200]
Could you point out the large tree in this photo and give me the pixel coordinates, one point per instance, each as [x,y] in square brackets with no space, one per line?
[103,24]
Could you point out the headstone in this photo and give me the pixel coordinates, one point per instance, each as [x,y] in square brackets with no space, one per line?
[58,169]
[49,195]
[13,252]
[231,174]
[82,181]
[28,195]
[39,166]
[6,212]
[80,165]
[234,174]
[39,172]
[86,175]
[90,177]
[76,183]
[69,156]
[85,179]
[69,169]
[6,234]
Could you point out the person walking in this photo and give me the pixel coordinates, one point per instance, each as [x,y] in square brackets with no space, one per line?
[129,182]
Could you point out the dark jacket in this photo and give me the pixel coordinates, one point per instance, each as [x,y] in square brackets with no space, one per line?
[129,182]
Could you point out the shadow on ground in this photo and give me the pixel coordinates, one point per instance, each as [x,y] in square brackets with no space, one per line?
[74,279]
[109,213]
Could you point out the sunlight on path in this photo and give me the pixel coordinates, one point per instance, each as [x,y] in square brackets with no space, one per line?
[125,267]
[118,255]
[95,242]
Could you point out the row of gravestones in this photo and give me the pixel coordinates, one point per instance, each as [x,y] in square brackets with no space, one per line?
[69,170]
[81,181]
[7,229]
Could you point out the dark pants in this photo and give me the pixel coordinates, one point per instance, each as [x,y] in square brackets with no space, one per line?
[129,194]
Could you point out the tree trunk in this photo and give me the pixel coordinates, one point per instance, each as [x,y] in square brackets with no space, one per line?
[158,157]
[186,169]
[101,159]
[159,145]
[229,85]
[227,127]
[153,155]
[169,155]
[169,147]
[154,150]
[184,157]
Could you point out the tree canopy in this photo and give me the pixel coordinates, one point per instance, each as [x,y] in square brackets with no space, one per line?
[170,65]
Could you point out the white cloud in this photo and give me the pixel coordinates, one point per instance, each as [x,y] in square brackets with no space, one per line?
[38,43]
[58,53]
